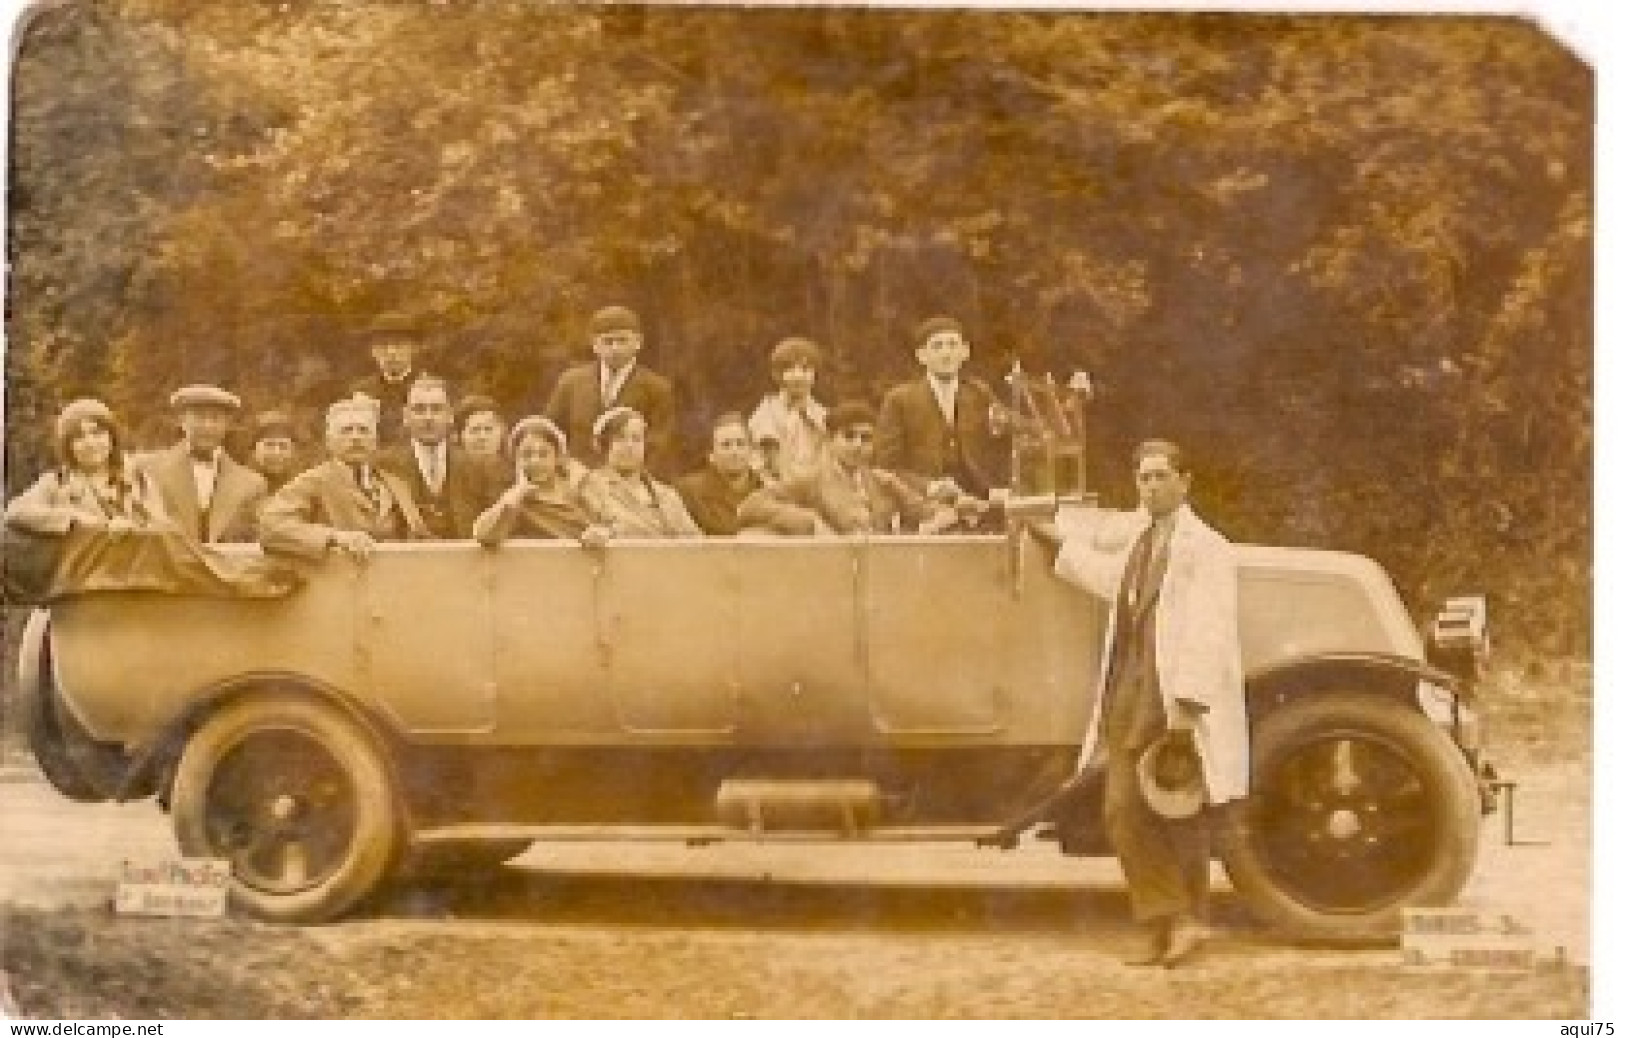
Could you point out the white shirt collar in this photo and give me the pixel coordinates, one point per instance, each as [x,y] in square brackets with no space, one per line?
[945,390]
[610,383]
[205,475]
[428,454]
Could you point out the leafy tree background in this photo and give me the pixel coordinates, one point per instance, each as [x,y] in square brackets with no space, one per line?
[1348,259]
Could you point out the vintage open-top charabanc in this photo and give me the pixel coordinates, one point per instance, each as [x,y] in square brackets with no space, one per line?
[450,703]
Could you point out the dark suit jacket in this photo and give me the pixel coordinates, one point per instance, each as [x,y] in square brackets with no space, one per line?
[301,516]
[576,403]
[914,440]
[233,512]
[712,502]
[472,484]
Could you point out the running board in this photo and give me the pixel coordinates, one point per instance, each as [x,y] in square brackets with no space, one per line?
[697,834]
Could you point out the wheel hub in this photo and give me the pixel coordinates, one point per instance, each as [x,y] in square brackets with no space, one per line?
[1343,824]
[285,808]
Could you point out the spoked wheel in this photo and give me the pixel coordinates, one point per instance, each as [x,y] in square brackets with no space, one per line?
[1360,807]
[297,798]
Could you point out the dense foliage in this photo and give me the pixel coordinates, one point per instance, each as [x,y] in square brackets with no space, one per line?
[1347,259]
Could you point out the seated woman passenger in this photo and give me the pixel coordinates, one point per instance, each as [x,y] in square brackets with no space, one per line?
[844,493]
[541,502]
[97,523]
[621,495]
[93,487]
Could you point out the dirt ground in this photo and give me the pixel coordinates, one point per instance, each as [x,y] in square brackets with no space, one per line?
[778,931]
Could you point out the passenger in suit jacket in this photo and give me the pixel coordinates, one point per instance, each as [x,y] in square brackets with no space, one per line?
[1173,665]
[206,492]
[944,427]
[346,504]
[615,379]
[714,493]
[451,486]
[844,493]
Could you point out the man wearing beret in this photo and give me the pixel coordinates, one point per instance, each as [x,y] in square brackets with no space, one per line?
[395,343]
[616,379]
[347,503]
[944,432]
[207,493]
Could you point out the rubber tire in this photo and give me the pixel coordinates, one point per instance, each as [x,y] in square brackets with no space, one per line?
[76,765]
[1428,751]
[454,860]
[377,834]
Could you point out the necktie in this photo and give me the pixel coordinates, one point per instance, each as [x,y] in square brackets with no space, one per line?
[945,399]
[369,486]
[1145,555]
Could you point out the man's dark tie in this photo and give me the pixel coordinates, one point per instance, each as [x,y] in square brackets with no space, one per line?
[367,480]
[1141,565]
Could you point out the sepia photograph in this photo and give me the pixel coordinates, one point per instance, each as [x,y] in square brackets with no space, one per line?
[577,511]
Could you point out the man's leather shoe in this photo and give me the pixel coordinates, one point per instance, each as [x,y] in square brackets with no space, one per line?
[1184,939]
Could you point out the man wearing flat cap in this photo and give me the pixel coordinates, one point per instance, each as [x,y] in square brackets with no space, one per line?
[396,345]
[944,432]
[616,379]
[206,492]
[347,504]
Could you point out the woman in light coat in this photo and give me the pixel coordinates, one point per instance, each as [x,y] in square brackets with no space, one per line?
[621,495]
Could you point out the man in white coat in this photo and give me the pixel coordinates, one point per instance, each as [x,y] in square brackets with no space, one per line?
[1172,667]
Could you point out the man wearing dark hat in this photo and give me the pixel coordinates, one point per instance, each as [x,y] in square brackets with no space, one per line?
[395,343]
[946,432]
[1170,686]
[616,379]
[207,493]
[274,451]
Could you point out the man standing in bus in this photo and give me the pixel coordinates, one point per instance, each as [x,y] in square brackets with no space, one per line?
[584,393]
[945,432]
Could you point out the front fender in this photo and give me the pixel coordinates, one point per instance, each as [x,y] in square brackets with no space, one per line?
[1443,697]
[32,659]
[78,766]
[156,758]
[1390,674]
